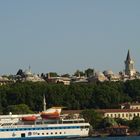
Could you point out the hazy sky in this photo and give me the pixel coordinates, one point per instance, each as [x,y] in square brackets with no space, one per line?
[66,35]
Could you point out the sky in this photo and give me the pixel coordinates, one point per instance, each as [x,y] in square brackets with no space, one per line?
[67,35]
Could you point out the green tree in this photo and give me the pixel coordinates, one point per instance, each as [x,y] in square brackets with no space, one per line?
[93,117]
[135,124]
[107,122]
[89,72]
[19,109]
[79,73]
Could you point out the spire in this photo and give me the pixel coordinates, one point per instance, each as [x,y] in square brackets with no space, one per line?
[44,103]
[128,56]
[29,68]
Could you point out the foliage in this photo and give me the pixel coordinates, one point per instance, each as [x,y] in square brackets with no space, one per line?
[93,117]
[75,96]
[19,109]
[135,123]
[89,72]
[53,74]
[107,122]
[79,73]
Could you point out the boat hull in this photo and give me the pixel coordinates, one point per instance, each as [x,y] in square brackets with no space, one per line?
[54,131]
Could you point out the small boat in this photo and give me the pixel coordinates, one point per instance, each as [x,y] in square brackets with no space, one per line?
[52,113]
[29,118]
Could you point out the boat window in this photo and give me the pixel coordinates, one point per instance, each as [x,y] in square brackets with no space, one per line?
[22,135]
[38,122]
[67,122]
[29,134]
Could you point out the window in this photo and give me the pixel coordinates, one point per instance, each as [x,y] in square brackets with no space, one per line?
[29,133]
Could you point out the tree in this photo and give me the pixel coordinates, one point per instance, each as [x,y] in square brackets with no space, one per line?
[79,73]
[19,109]
[89,72]
[107,122]
[52,74]
[93,117]
[65,75]
[135,124]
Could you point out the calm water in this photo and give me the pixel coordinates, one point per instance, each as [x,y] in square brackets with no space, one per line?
[114,138]
[105,138]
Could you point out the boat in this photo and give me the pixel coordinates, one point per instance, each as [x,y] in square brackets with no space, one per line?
[36,126]
[52,113]
[29,118]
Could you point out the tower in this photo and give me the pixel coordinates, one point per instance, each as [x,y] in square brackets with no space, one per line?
[129,66]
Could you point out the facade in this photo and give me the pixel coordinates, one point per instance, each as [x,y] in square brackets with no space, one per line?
[127,114]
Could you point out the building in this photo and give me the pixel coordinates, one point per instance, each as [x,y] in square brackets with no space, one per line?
[4,81]
[129,66]
[119,130]
[27,75]
[130,105]
[58,79]
[111,76]
[98,77]
[127,114]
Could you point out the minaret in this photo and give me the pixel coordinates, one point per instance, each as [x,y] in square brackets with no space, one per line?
[129,66]
[44,103]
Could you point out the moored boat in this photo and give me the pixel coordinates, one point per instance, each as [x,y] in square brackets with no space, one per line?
[29,118]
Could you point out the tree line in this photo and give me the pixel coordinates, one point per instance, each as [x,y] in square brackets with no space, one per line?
[75,96]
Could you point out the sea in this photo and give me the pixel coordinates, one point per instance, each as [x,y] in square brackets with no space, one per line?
[105,138]
[111,138]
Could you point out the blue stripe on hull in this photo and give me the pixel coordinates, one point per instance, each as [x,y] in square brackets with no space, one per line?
[41,138]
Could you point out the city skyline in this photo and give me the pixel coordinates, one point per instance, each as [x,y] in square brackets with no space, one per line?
[63,36]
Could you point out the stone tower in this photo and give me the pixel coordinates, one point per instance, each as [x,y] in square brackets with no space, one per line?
[129,66]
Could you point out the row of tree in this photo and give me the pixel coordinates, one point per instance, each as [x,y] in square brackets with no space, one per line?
[74,96]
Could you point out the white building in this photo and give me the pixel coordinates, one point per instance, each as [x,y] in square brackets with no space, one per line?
[28,76]
[127,114]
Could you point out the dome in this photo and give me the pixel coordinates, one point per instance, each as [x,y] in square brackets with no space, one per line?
[99,74]
[108,72]
[27,72]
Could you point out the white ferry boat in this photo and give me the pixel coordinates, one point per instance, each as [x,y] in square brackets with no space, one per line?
[46,125]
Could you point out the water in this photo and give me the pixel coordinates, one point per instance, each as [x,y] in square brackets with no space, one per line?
[113,138]
[104,138]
